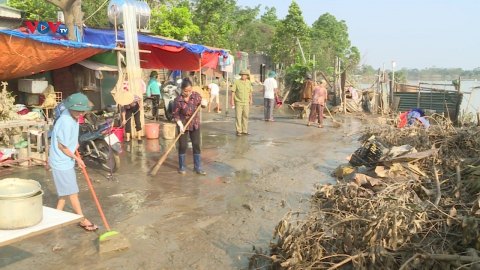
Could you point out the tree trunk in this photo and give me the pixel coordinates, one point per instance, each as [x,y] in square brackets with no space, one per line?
[72,14]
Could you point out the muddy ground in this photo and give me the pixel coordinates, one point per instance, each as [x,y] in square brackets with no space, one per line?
[191,221]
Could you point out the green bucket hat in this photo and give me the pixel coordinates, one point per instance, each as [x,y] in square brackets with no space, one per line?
[153,73]
[243,72]
[78,102]
[272,74]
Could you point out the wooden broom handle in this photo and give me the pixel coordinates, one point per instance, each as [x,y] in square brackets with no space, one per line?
[93,194]
[162,159]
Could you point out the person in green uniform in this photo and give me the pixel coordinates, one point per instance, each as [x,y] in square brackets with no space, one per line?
[153,90]
[241,100]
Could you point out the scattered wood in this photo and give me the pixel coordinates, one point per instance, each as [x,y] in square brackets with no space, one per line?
[391,214]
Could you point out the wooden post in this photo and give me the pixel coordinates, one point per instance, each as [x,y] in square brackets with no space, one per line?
[200,80]
[457,106]
[335,81]
[378,90]
[392,90]
[226,97]
[314,72]
[343,79]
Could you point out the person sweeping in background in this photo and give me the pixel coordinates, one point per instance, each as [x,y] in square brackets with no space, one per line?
[318,102]
[214,94]
[184,107]
[130,111]
[62,158]
[153,90]
[269,94]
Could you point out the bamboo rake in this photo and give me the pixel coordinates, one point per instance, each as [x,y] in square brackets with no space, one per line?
[164,157]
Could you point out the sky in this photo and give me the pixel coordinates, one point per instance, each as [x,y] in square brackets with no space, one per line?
[415,34]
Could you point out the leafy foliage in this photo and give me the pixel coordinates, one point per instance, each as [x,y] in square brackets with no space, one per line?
[330,39]
[294,78]
[399,77]
[173,22]
[35,10]
[215,19]
[270,16]
[288,30]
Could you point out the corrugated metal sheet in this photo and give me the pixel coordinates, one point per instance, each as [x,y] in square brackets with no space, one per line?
[438,101]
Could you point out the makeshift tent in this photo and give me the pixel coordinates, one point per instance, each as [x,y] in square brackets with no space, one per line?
[24,54]
[165,53]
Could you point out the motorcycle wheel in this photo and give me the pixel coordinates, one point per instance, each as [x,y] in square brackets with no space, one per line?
[169,111]
[148,108]
[104,152]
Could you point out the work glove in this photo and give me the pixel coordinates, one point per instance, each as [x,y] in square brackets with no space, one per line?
[181,127]
[204,103]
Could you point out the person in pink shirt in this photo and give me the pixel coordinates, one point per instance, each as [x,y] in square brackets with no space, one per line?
[319,98]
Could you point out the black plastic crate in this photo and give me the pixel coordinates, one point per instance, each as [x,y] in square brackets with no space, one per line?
[370,152]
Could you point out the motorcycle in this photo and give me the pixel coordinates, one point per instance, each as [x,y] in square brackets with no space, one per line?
[170,93]
[148,105]
[94,140]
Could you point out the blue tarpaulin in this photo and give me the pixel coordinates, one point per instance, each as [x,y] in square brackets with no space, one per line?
[53,40]
[107,38]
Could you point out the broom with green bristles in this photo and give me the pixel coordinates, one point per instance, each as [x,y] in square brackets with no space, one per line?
[111,240]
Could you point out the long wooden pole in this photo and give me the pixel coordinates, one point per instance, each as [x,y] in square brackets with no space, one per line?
[94,194]
[164,157]
[335,80]
[226,97]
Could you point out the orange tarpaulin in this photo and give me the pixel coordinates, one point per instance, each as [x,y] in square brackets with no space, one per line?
[24,56]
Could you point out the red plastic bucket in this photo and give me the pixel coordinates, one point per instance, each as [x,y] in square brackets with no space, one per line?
[118,131]
[151,130]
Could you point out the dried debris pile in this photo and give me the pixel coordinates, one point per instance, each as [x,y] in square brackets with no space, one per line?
[415,207]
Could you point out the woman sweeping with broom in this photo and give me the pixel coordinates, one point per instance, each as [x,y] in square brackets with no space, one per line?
[184,108]
[318,102]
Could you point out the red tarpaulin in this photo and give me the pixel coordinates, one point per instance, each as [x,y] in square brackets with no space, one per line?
[174,58]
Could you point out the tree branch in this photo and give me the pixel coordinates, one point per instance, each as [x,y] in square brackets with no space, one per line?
[59,3]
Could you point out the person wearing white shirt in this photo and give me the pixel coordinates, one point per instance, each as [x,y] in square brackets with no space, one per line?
[214,94]
[269,93]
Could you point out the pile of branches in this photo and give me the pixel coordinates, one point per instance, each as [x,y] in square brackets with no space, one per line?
[8,111]
[409,222]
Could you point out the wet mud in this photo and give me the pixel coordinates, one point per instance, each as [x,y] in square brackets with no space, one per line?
[189,221]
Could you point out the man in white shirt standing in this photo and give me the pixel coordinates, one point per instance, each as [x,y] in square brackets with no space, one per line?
[269,94]
[214,94]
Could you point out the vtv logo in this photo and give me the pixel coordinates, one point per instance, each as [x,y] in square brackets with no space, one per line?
[44,28]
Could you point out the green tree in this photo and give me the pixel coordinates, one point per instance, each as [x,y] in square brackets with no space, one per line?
[399,77]
[258,37]
[270,16]
[35,10]
[329,38]
[216,22]
[284,47]
[245,27]
[332,33]
[173,22]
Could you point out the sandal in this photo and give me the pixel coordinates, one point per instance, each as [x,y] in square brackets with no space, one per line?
[271,120]
[90,228]
[239,134]
[309,124]
[247,133]
[320,126]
